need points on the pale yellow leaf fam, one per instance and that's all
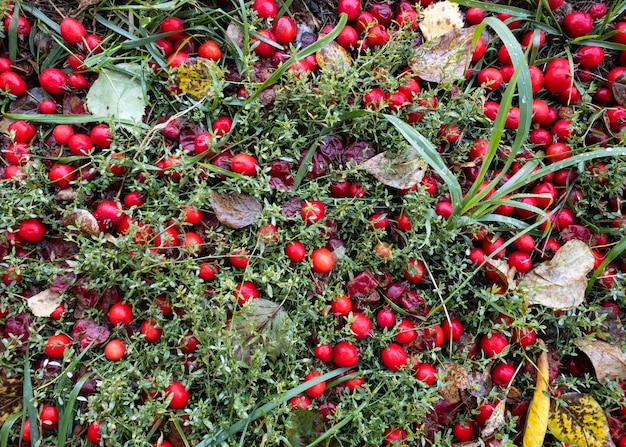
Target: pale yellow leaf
(199, 77)
(333, 55)
(439, 18)
(539, 410)
(608, 360)
(44, 303)
(560, 283)
(495, 421)
(445, 58)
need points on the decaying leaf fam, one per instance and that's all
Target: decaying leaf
(446, 58)
(65, 195)
(608, 360)
(458, 380)
(304, 427)
(400, 171)
(578, 419)
(539, 410)
(505, 272)
(235, 210)
(495, 421)
(333, 55)
(199, 77)
(611, 329)
(560, 283)
(619, 89)
(10, 395)
(118, 93)
(234, 32)
(44, 303)
(83, 220)
(260, 325)
(479, 381)
(439, 18)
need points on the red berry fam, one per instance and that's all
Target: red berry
(394, 356)
(493, 344)
(345, 354)
(72, 31)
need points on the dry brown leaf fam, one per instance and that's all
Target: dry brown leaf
(560, 283)
(505, 272)
(539, 410)
(611, 329)
(65, 195)
(619, 89)
(333, 55)
(439, 18)
(609, 361)
(83, 220)
(400, 171)
(234, 32)
(495, 421)
(235, 210)
(44, 303)
(458, 380)
(446, 58)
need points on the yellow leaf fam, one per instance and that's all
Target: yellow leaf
(539, 410)
(333, 55)
(199, 77)
(439, 18)
(578, 419)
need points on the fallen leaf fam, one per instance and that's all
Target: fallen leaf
(479, 381)
(619, 89)
(446, 58)
(560, 283)
(235, 210)
(495, 421)
(458, 380)
(505, 272)
(439, 18)
(234, 32)
(578, 419)
(333, 55)
(400, 171)
(118, 93)
(83, 220)
(611, 329)
(10, 395)
(260, 325)
(608, 360)
(28, 103)
(539, 410)
(199, 77)
(44, 303)
(65, 195)
(304, 427)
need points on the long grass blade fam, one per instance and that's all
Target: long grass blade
(67, 412)
(6, 428)
(616, 251)
(12, 35)
(429, 153)
(29, 402)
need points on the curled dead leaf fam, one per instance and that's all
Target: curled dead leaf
(495, 421)
(505, 272)
(457, 379)
(44, 303)
(619, 89)
(83, 220)
(235, 210)
(400, 171)
(560, 283)
(446, 58)
(608, 360)
(440, 17)
(65, 195)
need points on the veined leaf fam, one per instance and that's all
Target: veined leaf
(578, 419)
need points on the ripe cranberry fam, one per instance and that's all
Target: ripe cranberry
(377, 35)
(452, 329)
(382, 12)
(345, 354)
(502, 374)
(323, 352)
(284, 29)
(351, 8)
(47, 107)
(558, 152)
(262, 48)
(13, 83)
(72, 31)
(394, 437)
(479, 50)
(536, 78)
(394, 356)
(386, 318)
(426, 373)
(474, 16)
(463, 431)
(533, 39)
(53, 81)
(444, 209)
(348, 37)
(576, 24)
(100, 136)
(361, 325)
(265, 9)
(557, 80)
(21, 131)
(589, 56)
(493, 344)
(521, 260)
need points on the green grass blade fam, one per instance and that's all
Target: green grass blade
(492, 7)
(67, 412)
(520, 81)
(29, 402)
(220, 437)
(39, 15)
(6, 428)
(12, 35)
(429, 153)
(616, 251)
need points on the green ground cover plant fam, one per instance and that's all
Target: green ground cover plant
(236, 223)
